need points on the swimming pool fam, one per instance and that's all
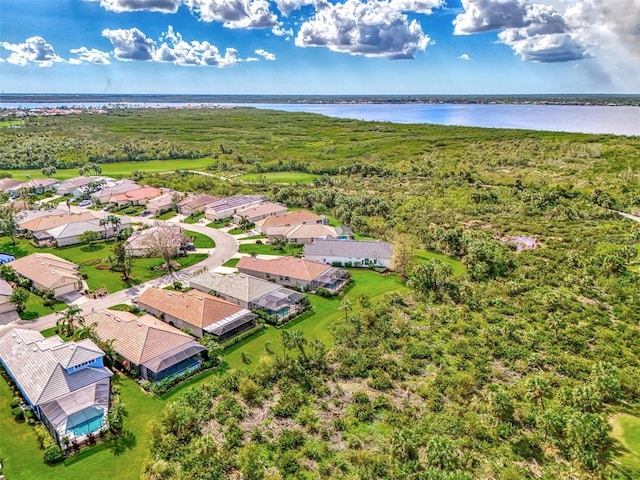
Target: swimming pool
(6, 258)
(87, 421)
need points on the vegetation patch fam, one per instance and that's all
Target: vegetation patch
(278, 177)
(200, 240)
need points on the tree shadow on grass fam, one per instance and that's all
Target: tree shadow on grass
(125, 441)
(92, 248)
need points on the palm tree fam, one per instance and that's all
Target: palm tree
(297, 340)
(115, 222)
(285, 340)
(68, 320)
(537, 389)
(244, 222)
(116, 415)
(103, 223)
(345, 306)
(213, 348)
(85, 331)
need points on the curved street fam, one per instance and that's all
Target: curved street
(226, 247)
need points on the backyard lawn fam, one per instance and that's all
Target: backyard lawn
(194, 218)
(123, 169)
(626, 429)
(35, 308)
(278, 177)
(265, 249)
(458, 268)
(90, 257)
(200, 240)
(220, 223)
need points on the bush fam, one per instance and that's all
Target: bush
(323, 292)
(18, 413)
(15, 402)
(53, 454)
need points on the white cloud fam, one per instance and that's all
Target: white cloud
(165, 6)
(130, 44)
(282, 32)
(486, 15)
(464, 56)
(89, 56)
(266, 55)
(288, 6)
(234, 13)
(251, 59)
(34, 50)
(417, 6)
(371, 28)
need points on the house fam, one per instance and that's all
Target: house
(350, 252)
(46, 222)
(151, 347)
(228, 207)
(295, 272)
(78, 185)
(303, 234)
(252, 293)
(139, 243)
(41, 185)
(276, 225)
(68, 234)
(194, 204)
(162, 203)
(139, 196)
(122, 186)
(65, 383)
(5, 297)
(10, 186)
(260, 212)
(199, 312)
(49, 272)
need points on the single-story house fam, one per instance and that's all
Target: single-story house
(49, 221)
(65, 383)
(49, 272)
(199, 312)
(303, 234)
(151, 347)
(11, 186)
(228, 207)
(162, 203)
(68, 234)
(295, 272)
(139, 243)
(260, 212)
(77, 185)
(121, 186)
(5, 296)
(139, 196)
(350, 252)
(195, 203)
(251, 292)
(297, 217)
(41, 185)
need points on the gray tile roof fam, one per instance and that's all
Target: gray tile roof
(349, 248)
(38, 364)
(243, 287)
(5, 288)
(235, 201)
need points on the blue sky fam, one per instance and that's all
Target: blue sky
(319, 46)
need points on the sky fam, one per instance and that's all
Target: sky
(349, 47)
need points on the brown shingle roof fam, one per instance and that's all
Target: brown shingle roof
(195, 308)
(46, 269)
(292, 218)
(138, 339)
(51, 221)
(292, 267)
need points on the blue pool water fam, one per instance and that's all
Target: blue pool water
(6, 258)
(85, 422)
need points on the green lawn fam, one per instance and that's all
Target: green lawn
(231, 262)
(123, 169)
(166, 215)
(89, 257)
(194, 218)
(11, 123)
(278, 177)
(626, 429)
(121, 459)
(240, 231)
(200, 240)
(220, 223)
(35, 308)
(458, 268)
(264, 249)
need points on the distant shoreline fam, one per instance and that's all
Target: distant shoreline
(533, 99)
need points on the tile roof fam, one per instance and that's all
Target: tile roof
(164, 200)
(235, 202)
(136, 195)
(195, 308)
(38, 364)
(120, 187)
(40, 182)
(331, 247)
(77, 228)
(314, 230)
(9, 183)
(138, 339)
(138, 240)
(46, 269)
(244, 287)
(292, 267)
(199, 200)
(73, 183)
(47, 222)
(292, 218)
(265, 208)
(5, 288)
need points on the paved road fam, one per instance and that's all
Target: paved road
(226, 248)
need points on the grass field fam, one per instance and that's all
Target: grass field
(92, 256)
(422, 256)
(626, 429)
(200, 240)
(35, 308)
(166, 215)
(277, 177)
(231, 262)
(123, 169)
(220, 223)
(265, 249)
(194, 218)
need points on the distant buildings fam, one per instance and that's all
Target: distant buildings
(228, 207)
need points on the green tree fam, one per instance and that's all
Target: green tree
(346, 306)
(431, 276)
(89, 237)
(121, 260)
(85, 330)
(49, 171)
(116, 414)
(537, 389)
(68, 319)
(8, 222)
(214, 349)
(19, 297)
(90, 168)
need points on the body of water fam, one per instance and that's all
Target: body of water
(617, 120)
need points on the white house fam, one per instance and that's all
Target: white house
(350, 252)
